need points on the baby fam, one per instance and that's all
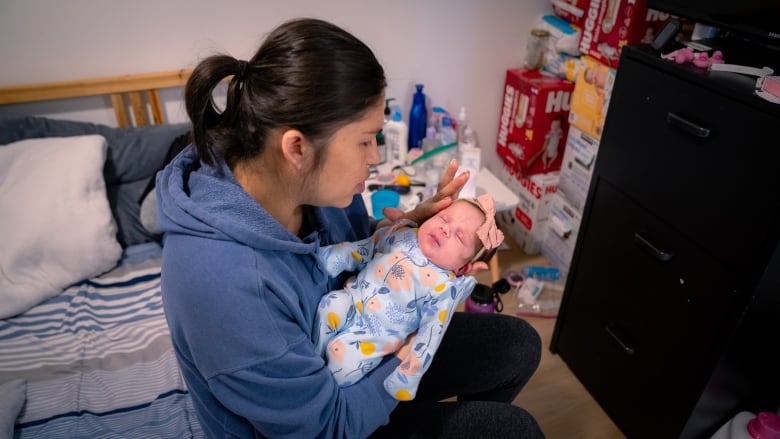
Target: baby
(410, 279)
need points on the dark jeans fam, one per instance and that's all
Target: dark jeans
(484, 360)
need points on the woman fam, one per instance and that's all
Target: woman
(244, 209)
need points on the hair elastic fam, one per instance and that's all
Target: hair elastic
(241, 70)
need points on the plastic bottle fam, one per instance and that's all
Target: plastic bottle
(437, 113)
(480, 303)
(487, 299)
(470, 160)
(396, 135)
(429, 169)
(418, 119)
(380, 137)
(765, 425)
(463, 122)
(448, 134)
(431, 140)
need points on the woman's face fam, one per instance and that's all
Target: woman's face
(345, 168)
(449, 238)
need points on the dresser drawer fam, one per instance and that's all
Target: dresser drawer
(646, 316)
(696, 159)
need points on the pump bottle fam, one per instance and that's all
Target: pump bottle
(396, 135)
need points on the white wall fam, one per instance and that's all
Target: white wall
(460, 49)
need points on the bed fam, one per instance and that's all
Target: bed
(84, 346)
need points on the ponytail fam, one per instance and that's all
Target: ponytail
(308, 74)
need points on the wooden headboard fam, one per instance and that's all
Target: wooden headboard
(140, 91)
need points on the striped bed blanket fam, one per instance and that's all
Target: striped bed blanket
(97, 360)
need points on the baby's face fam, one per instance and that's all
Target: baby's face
(449, 239)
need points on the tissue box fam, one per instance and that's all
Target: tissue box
(579, 159)
(534, 121)
(590, 98)
(561, 233)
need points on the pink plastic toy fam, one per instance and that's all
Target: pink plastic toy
(717, 57)
(699, 59)
(680, 56)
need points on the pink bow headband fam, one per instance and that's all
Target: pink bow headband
(489, 233)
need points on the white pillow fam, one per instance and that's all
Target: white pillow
(56, 226)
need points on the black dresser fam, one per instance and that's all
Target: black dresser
(671, 311)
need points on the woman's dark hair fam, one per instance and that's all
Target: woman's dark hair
(308, 74)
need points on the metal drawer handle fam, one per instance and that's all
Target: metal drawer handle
(624, 346)
(688, 126)
(652, 249)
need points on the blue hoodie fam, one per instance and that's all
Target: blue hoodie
(240, 294)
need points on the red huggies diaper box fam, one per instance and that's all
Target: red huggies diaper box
(611, 24)
(590, 98)
(533, 124)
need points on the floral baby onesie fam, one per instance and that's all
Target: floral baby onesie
(396, 292)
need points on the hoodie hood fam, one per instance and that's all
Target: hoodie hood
(199, 200)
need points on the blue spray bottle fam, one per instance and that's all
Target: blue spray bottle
(418, 119)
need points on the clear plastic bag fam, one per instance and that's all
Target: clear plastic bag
(538, 290)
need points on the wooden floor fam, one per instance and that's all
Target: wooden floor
(561, 405)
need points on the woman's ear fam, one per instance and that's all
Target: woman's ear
(294, 148)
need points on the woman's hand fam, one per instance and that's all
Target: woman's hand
(447, 191)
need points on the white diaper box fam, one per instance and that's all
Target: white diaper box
(533, 192)
(561, 233)
(527, 221)
(530, 240)
(579, 159)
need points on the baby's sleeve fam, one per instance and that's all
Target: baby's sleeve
(403, 382)
(353, 256)
(346, 256)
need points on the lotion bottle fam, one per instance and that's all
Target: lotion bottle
(396, 138)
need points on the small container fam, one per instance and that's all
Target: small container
(534, 49)
(480, 303)
(381, 199)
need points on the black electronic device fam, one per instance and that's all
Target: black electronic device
(667, 34)
(754, 20)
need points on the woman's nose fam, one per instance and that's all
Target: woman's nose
(372, 156)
